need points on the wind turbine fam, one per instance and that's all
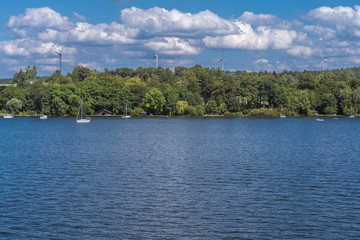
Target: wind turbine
(60, 55)
(222, 60)
(322, 63)
(156, 57)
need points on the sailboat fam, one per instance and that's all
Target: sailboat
(125, 113)
(42, 115)
(281, 115)
(8, 116)
(82, 119)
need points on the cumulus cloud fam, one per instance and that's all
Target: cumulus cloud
(174, 46)
(39, 18)
(175, 23)
(268, 20)
(248, 38)
(337, 15)
(323, 32)
(300, 51)
(85, 32)
(25, 47)
(262, 60)
(177, 35)
(345, 19)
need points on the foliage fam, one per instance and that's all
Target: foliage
(186, 91)
(263, 112)
(14, 105)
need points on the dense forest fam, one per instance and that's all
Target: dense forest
(194, 91)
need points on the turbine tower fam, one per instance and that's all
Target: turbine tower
(60, 55)
(322, 63)
(222, 60)
(156, 57)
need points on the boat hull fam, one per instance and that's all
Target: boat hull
(84, 120)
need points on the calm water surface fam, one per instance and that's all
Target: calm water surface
(179, 179)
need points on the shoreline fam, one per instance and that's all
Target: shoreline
(188, 116)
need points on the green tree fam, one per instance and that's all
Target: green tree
(171, 98)
(211, 107)
(59, 107)
(14, 105)
(21, 79)
(154, 101)
(222, 108)
(31, 72)
(180, 107)
(79, 73)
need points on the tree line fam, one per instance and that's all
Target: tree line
(194, 91)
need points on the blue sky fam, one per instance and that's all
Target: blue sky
(254, 35)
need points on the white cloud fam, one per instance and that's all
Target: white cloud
(29, 47)
(13, 48)
(248, 38)
(84, 32)
(174, 46)
(300, 51)
(262, 60)
(269, 20)
(345, 19)
(323, 32)
(157, 20)
(337, 15)
(176, 35)
(39, 18)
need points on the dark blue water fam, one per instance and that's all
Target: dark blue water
(179, 179)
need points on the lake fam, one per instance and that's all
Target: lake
(179, 178)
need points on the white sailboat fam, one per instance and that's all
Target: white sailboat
(42, 115)
(125, 113)
(8, 116)
(82, 119)
(281, 115)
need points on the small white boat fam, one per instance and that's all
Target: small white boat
(42, 115)
(82, 119)
(8, 116)
(282, 115)
(319, 119)
(125, 113)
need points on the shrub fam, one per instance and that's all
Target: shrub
(263, 112)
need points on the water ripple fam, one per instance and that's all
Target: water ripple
(179, 179)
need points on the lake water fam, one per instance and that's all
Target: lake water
(179, 179)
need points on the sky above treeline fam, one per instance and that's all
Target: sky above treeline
(254, 35)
